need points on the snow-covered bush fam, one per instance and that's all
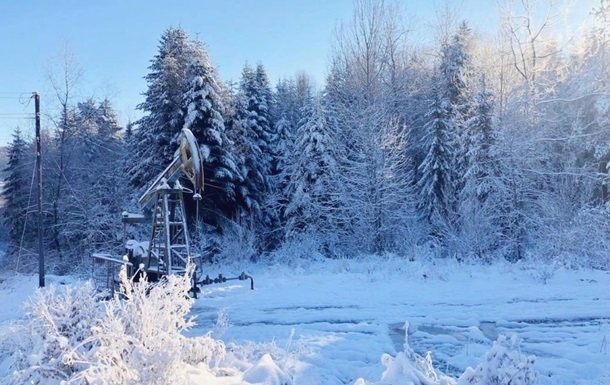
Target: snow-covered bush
(139, 340)
(409, 368)
(230, 242)
(266, 372)
(59, 326)
(267, 363)
(503, 365)
(297, 251)
(133, 338)
(581, 241)
(238, 243)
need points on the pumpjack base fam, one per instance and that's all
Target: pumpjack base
(106, 267)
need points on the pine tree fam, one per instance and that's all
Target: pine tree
(57, 165)
(129, 131)
(285, 119)
(311, 198)
(155, 140)
(291, 97)
(457, 71)
(264, 110)
(203, 113)
(481, 160)
(480, 211)
(435, 189)
(252, 133)
(279, 175)
(16, 194)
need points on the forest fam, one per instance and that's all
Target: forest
(469, 146)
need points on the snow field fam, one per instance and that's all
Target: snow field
(339, 317)
(334, 322)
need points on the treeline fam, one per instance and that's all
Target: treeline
(475, 148)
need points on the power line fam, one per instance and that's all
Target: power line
(15, 93)
(19, 97)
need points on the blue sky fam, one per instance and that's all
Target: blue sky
(115, 40)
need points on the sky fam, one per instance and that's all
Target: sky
(114, 41)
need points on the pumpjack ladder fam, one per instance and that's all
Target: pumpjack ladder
(168, 251)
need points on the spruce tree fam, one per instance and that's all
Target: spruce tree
(203, 111)
(253, 135)
(481, 209)
(457, 70)
(16, 194)
(312, 172)
(481, 159)
(291, 97)
(155, 138)
(456, 78)
(435, 189)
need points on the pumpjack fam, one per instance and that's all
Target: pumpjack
(168, 250)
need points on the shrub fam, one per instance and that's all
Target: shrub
(134, 337)
(59, 325)
(503, 365)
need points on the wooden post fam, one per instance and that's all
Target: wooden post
(39, 172)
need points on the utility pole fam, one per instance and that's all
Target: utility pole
(39, 172)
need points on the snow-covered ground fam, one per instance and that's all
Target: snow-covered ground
(330, 322)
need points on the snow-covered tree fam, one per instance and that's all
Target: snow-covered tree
(434, 183)
(184, 91)
(532, 51)
(291, 96)
(480, 158)
(96, 180)
(19, 204)
(253, 136)
(203, 113)
(155, 137)
(365, 99)
(478, 215)
(64, 76)
(456, 71)
(312, 205)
